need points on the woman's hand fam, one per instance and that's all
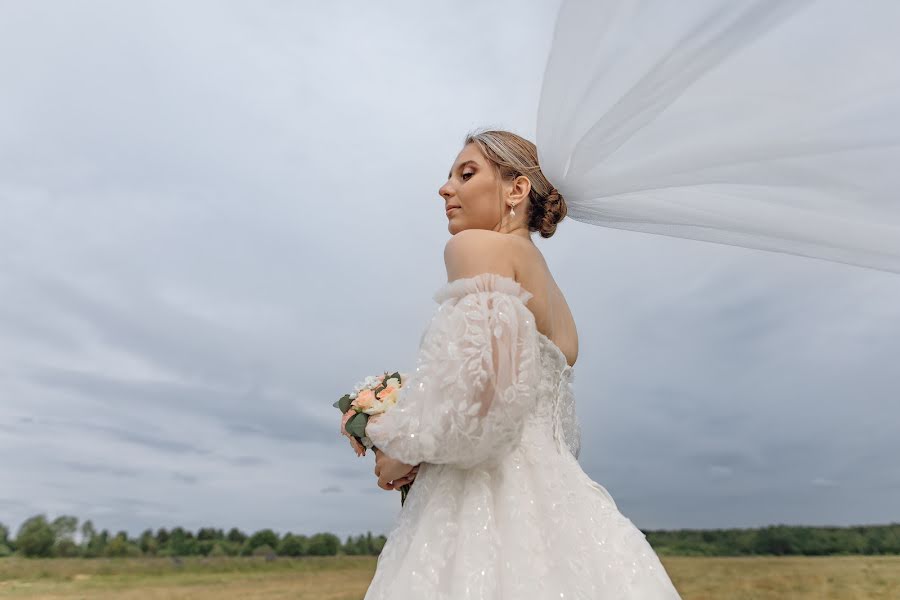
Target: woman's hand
(408, 478)
(393, 473)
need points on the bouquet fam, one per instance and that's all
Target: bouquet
(373, 396)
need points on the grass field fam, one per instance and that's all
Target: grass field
(346, 578)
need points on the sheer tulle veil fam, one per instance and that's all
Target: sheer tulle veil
(767, 124)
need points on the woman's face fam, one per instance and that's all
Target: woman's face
(472, 188)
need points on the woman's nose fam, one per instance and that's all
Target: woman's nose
(444, 191)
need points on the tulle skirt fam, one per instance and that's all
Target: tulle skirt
(535, 526)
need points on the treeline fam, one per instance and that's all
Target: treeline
(64, 538)
(778, 540)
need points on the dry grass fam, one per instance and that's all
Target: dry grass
(786, 578)
(326, 578)
(346, 578)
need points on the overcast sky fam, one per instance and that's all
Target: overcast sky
(216, 217)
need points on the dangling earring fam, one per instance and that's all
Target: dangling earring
(512, 210)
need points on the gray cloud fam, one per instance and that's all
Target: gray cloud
(181, 477)
(100, 468)
(197, 200)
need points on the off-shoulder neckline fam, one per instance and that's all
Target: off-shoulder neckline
(487, 281)
(482, 282)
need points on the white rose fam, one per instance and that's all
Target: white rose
(390, 399)
(376, 408)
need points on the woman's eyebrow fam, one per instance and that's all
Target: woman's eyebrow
(450, 174)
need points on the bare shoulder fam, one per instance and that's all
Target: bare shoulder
(474, 251)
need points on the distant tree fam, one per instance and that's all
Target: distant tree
(264, 550)
(778, 540)
(5, 549)
(263, 537)
(66, 548)
(324, 544)
(209, 533)
(291, 545)
(117, 547)
(97, 545)
(162, 538)
(147, 543)
(35, 537)
(64, 527)
(182, 543)
(236, 536)
(349, 546)
(204, 547)
(356, 546)
(36, 533)
(121, 546)
(891, 540)
(230, 548)
(87, 534)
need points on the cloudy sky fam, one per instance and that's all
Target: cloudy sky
(215, 217)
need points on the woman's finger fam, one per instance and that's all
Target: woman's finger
(385, 485)
(403, 480)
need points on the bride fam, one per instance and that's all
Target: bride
(763, 124)
(486, 428)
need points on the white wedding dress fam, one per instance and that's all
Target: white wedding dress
(500, 508)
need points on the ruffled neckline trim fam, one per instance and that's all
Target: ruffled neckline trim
(486, 282)
(483, 282)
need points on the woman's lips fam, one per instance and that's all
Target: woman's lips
(451, 209)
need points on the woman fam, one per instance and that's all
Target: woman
(486, 428)
(761, 124)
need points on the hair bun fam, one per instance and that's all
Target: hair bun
(554, 210)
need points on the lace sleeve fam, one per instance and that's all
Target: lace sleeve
(476, 378)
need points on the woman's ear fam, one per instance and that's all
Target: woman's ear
(521, 187)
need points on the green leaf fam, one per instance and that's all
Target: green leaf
(357, 424)
(344, 403)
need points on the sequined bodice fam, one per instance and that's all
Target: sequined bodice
(554, 416)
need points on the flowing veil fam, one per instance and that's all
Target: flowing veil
(767, 124)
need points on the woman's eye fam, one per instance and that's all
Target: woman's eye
(464, 175)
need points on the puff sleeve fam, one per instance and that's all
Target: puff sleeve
(476, 378)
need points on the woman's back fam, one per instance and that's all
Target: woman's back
(551, 311)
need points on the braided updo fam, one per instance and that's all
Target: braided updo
(513, 156)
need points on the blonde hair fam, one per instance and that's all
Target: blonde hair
(513, 155)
